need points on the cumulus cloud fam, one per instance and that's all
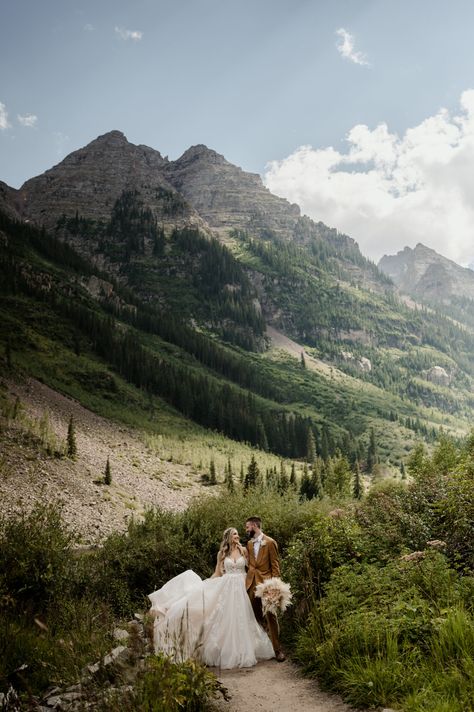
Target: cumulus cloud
(346, 47)
(4, 123)
(388, 191)
(28, 120)
(134, 35)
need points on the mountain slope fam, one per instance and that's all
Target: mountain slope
(186, 316)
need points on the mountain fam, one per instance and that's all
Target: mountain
(428, 276)
(189, 281)
(89, 181)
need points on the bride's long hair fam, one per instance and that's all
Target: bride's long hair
(226, 546)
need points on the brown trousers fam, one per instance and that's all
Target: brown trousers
(269, 622)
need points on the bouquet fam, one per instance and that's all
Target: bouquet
(275, 594)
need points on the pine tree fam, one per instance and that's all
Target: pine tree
(316, 482)
(342, 475)
(402, 470)
(283, 481)
(108, 473)
(310, 446)
(325, 444)
(252, 476)
(305, 485)
(357, 489)
(212, 473)
(71, 440)
(293, 476)
(261, 436)
(230, 482)
(303, 362)
(372, 457)
(242, 475)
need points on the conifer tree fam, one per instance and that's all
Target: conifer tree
(108, 473)
(303, 361)
(71, 439)
(293, 476)
(402, 470)
(212, 473)
(251, 478)
(305, 485)
(372, 457)
(310, 446)
(261, 436)
(242, 475)
(357, 490)
(230, 482)
(342, 475)
(325, 443)
(283, 481)
(316, 485)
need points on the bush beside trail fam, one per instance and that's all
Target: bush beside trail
(383, 589)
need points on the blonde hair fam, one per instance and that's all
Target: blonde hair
(226, 547)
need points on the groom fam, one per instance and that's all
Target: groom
(264, 563)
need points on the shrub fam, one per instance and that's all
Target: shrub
(131, 565)
(164, 686)
(382, 632)
(35, 559)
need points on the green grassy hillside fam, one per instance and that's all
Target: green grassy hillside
(84, 331)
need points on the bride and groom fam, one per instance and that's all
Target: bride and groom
(220, 620)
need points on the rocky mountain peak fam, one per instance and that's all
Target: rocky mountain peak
(424, 273)
(89, 181)
(200, 153)
(227, 196)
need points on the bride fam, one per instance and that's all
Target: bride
(213, 619)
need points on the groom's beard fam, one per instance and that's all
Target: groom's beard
(250, 535)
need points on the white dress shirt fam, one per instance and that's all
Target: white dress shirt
(256, 544)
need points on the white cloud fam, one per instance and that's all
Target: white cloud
(346, 48)
(388, 191)
(135, 35)
(89, 27)
(4, 123)
(28, 119)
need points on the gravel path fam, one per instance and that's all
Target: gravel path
(275, 687)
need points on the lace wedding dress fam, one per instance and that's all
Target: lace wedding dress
(212, 620)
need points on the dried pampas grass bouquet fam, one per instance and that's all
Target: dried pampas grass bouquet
(275, 594)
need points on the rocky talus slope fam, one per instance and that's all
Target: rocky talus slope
(140, 479)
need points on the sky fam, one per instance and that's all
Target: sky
(361, 111)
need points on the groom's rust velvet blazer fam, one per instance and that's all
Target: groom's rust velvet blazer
(266, 565)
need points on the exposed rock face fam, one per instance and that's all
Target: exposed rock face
(424, 273)
(8, 201)
(438, 375)
(90, 180)
(228, 197)
(363, 363)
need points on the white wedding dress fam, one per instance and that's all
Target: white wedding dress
(211, 620)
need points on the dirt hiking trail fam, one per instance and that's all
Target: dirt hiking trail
(275, 687)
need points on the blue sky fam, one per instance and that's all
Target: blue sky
(255, 80)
